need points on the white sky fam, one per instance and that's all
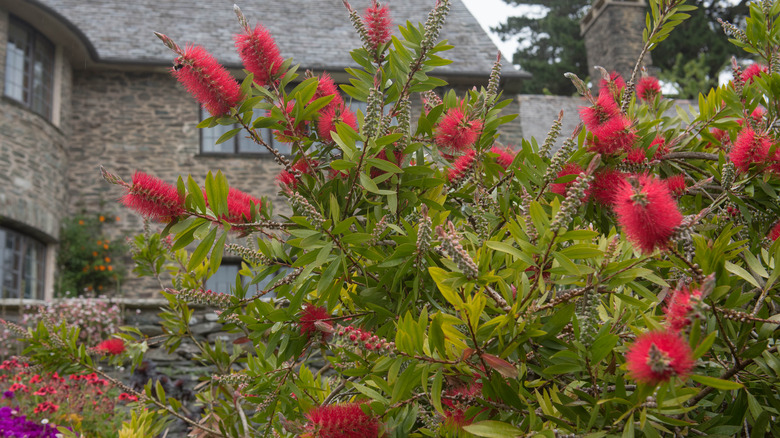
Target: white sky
(491, 13)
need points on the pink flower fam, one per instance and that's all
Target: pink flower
(636, 156)
(377, 22)
(326, 87)
(461, 166)
(676, 184)
(613, 137)
(646, 211)
(45, 407)
(568, 169)
(657, 356)
(774, 233)
(750, 148)
(239, 206)
(311, 320)
(505, 156)
(207, 80)
(128, 397)
(754, 70)
(604, 186)
(154, 198)
(597, 116)
(330, 116)
(259, 53)
(456, 131)
(648, 88)
(681, 307)
(341, 421)
(113, 346)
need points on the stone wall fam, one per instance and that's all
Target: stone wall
(33, 159)
(538, 112)
(613, 35)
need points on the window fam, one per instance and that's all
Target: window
(29, 67)
(224, 280)
(22, 265)
(240, 143)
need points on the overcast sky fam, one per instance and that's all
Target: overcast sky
(491, 13)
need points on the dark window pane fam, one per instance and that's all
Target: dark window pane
(15, 61)
(209, 140)
(22, 266)
(29, 75)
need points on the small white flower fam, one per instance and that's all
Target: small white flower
(45, 421)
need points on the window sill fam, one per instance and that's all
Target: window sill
(262, 156)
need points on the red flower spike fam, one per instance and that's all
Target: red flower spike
(657, 356)
(461, 165)
(310, 316)
(259, 54)
(636, 156)
(378, 23)
(676, 184)
(505, 156)
(153, 198)
(750, 148)
(568, 169)
(596, 116)
(326, 87)
(614, 86)
(754, 70)
(774, 233)
(113, 346)
(648, 88)
(455, 414)
(661, 149)
(604, 186)
(646, 211)
(456, 132)
(207, 80)
(330, 116)
(681, 308)
(238, 204)
(341, 421)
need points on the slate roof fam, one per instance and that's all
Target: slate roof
(316, 33)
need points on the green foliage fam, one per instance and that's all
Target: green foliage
(87, 261)
(485, 304)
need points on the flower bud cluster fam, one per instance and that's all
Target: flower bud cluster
(450, 244)
(574, 197)
(430, 100)
(558, 160)
(733, 31)
(357, 23)
(364, 340)
(404, 117)
(15, 329)
(200, 296)
(252, 256)
(533, 235)
(495, 77)
(729, 175)
(434, 23)
(373, 121)
(610, 251)
(587, 315)
(552, 136)
(379, 229)
(303, 205)
(231, 379)
(423, 235)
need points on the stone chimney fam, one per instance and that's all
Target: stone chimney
(613, 36)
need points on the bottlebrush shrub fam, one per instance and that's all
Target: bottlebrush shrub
(409, 303)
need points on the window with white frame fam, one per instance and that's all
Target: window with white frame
(29, 67)
(22, 265)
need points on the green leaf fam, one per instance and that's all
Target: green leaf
(716, 383)
(742, 273)
(493, 429)
(216, 253)
(202, 250)
(436, 392)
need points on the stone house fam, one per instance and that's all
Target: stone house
(86, 83)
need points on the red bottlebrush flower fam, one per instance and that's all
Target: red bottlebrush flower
(614, 86)
(568, 169)
(207, 80)
(750, 73)
(774, 233)
(330, 116)
(456, 402)
(154, 198)
(604, 186)
(722, 137)
(646, 211)
(676, 184)
(113, 346)
(597, 116)
(310, 317)
(377, 22)
(636, 156)
(288, 179)
(456, 132)
(657, 356)
(291, 131)
(613, 137)
(239, 206)
(259, 54)
(660, 146)
(341, 421)
(681, 308)
(326, 87)
(505, 156)
(750, 148)
(461, 166)
(398, 157)
(648, 88)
